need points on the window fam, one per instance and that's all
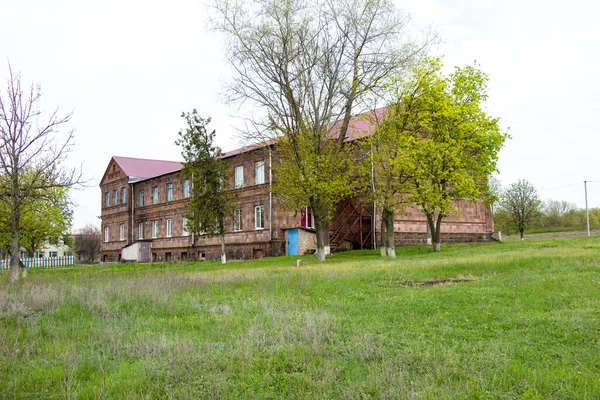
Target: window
(237, 219)
(40, 254)
(53, 254)
(259, 172)
(169, 191)
(122, 232)
(106, 234)
(123, 195)
(239, 176)
(154, 229)
(142, 198)
(106, 199)
(186, 188)
(115, 197)
(155, 195)
(141, 230)
(169, 227)
(185, 228)
(259, 217)
(308, 220)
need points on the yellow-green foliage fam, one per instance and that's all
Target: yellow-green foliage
(313, 169)
(436, 143)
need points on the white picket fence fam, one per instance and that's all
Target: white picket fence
(46, 262)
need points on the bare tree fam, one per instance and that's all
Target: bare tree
(307, 64)
(521, 204)
(87, 242)
(31, 157)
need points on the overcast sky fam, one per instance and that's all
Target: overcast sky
(129, 68)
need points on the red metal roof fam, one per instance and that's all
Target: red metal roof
(248, 148)
(142, 168)
(360, 126)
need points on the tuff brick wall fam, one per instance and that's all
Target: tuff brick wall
(474, 221)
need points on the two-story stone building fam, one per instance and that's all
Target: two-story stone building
(144, 208)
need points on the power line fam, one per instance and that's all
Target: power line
(564, 186)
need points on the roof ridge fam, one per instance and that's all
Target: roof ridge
(146, 159)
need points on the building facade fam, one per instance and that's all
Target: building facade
(144, 207)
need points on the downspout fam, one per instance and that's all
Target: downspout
(132, 214)
(374, 219)
(190, 200)
(270, 196)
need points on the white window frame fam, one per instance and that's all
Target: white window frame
(106, 234)
(115, 197)
(184, 230)
(237, 220)
(259, 172)
(154, 194)
(186, 188)
(154, 229)
(53, 254)
(239, 176)
(122, 232)
(169, 227)
(140, 231)
(170, 191)
(107, 199)
(141, 197)
(123, 195)
(259, 217)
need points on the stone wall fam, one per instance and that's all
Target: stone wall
(413, 238)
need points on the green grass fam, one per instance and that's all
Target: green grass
(525, 326)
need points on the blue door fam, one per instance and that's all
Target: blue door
(293, 242)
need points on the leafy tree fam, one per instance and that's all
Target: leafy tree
(451, 142)
(307, 64)
(211, 200)
(559, 213)
(87, 242)
(31, 160)
(521, 204)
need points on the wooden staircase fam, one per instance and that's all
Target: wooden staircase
(352, 222)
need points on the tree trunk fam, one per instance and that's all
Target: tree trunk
(320, 213)
(522, 232)
(223, 256)
(14, 245)
(322, 228)
(388, 217)
(428, 234)
(434, 226)
(383, 239)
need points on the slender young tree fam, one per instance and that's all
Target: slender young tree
(212, 201)
(391, 166)
(32, 157)
(521, 204)
(307, 64)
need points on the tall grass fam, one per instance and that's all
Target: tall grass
(522, 323)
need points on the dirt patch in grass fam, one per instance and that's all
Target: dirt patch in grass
(434, 282)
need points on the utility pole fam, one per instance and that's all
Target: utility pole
(587, 213)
